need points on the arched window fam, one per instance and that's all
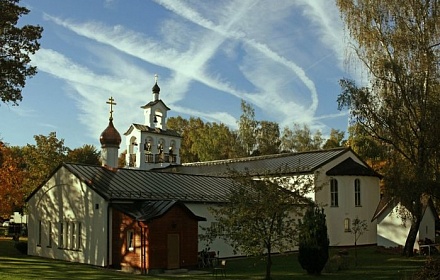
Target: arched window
(334, 193)
(357, 193)
(347, 225)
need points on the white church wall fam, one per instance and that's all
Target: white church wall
(346, 211)
(392, 231)
(68, 221)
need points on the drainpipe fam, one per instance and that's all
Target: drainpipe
(108, 234)
(143, 253)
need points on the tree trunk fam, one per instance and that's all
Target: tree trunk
(268, 263)
(412, 234)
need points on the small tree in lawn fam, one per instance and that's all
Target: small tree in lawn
(260, 215)
(358, 227)
(313, 241)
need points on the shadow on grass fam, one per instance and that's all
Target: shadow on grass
(372, 264)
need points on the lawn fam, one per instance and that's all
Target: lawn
(371, 265)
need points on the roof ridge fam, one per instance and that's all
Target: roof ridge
(255, 158)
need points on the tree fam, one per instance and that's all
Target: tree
(87, 154)
(335, 140)
(247, 128)
(189, 132)
(313, 241)
(300, 139)
(16, 44)
(268, 138)
(41, 159)
(358, 227)
(259, 217)
(398, 43)
(12, 175)
(203, 141)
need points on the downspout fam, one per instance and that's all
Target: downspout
(108, 234)
(143, 244)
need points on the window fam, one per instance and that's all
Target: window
(49, 234)
(61, 235)
(130, 240)
(78, 244)
(39, 233)
(73, 236)
(357, 193)
(66, 235)
(347, 225)
(334, 193)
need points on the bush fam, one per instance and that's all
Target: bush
(313, 241)
(337, 263)
(430, 271)
(22, 247)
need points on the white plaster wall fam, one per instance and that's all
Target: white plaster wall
(202, 210)
(141, 138)
(370, 195)
(65, 199)
(392, 231)
(427, 226)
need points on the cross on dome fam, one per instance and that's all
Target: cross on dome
(111, 103)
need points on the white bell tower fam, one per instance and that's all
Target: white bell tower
(152, 145)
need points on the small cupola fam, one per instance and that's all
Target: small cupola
(110, 140)
(110, 137)
(156, 89)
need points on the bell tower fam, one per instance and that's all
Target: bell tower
(151, 144)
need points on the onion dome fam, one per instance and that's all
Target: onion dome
(156, 88)
(110, 137)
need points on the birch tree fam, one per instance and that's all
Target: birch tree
(398, 43)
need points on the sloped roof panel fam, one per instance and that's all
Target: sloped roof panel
(145, 211)
(146, 185)
(287, 163)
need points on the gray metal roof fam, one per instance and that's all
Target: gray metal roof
(286, 163)
(145, 211)
(157, 130)
(146, 185)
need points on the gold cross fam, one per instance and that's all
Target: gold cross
(111, 106)
(155, 78)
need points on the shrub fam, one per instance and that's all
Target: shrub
(430, 271)
(313, 241)
(337, 263)
(22, 247)
(333, 264)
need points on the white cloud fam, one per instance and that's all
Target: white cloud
(192, 39)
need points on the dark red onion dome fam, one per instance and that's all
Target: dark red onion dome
(110, 136)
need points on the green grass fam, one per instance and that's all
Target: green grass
(371, 265)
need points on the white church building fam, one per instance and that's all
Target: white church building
(148, 215)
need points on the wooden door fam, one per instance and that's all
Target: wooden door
(173, 251)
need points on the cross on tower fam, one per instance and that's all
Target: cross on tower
(111, 106)
(155, 78)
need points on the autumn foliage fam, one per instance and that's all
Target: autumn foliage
(11, 178)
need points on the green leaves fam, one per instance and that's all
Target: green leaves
(16, 46)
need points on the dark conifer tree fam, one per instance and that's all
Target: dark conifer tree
(313, 241)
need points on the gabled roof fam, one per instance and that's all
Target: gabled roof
(152, 103)
(286, 163)
(145, 211)
(145, 128)
(134, 184)
(349, 167)
(389, 203)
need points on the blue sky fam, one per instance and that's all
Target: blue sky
(285, 58)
